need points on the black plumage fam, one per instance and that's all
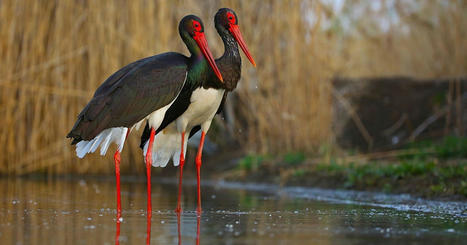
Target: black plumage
(131, 94)
(230, 66)
(144, 86)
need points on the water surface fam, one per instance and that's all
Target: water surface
(82, 211)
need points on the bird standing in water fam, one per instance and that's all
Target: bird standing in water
(196, 106)
(142, 90)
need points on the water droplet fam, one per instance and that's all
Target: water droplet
(82, 183)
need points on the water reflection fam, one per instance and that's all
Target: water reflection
(179, 229)
(117, 231)
(198, 224)
(83, 212)
(148, 226)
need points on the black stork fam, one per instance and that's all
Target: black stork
(142, 90)
(196, 106)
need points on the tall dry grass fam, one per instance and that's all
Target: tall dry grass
(56, 53)
(428, 39)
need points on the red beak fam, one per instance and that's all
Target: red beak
(203, 45)
(238, 36)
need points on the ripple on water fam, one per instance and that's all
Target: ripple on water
(233, 213)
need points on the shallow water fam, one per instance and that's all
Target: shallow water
(82, 211)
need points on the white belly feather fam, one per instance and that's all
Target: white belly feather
(203, 107)
(201, 111)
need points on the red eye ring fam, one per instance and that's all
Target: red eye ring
(196, 25)
(231, 18)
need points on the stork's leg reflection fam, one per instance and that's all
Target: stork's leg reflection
(198, 227)
(179, 229)
(117, 231)
(148, 229)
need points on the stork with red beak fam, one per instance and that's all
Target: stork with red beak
(196, 106)
(142, 90)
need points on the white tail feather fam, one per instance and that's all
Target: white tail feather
(106, 143)
(117, 135)
(82, 148)
(97, 142)
(122, 139)
(166, 145)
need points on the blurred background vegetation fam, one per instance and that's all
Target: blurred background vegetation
(56, 53)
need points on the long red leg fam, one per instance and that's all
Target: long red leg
(117, 176)
(198, 169)
(182, 162)
(148, 170)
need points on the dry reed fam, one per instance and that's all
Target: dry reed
(56, 53)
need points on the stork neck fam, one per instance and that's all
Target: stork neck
(199, 68)
(230, 48)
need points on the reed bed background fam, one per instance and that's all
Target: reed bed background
(56, 53)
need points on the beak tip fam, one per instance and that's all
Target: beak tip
(253, 62)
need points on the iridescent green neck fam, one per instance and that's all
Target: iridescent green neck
(198, 70)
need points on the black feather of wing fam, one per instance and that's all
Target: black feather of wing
(131, 94)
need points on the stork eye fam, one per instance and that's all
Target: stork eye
(196, 26)
(231, 18)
